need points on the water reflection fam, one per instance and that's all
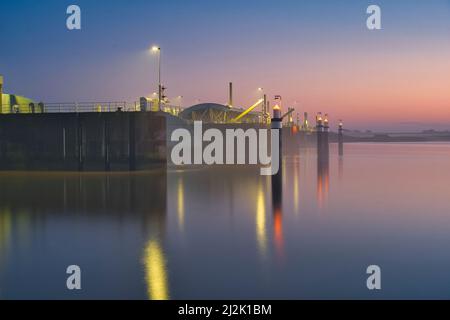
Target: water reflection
(340, 151)
(261, 228)
(89, 219)
(295, 189)
(230, 233)
(340, 167)
(323, 175)
(277, 198)
(340, 146)
(156, 271)
(180, 202)
(5, 232)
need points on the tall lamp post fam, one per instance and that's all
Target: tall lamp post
(264, 105)
(157, 50)
(261, 91)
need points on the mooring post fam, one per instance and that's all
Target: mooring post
(276, 124)
(326, 131)
(319, 130)
(277, 179)
(341, 138)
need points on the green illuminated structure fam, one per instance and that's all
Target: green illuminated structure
(11, 103)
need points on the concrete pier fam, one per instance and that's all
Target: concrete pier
(116, 141)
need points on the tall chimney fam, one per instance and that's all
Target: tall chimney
(230, 97)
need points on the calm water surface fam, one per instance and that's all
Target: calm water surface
(227, 233)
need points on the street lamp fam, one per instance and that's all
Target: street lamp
(157, 50)
(264, 105)
(178, 100)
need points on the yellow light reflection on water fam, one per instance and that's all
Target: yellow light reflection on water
(5, 228)
(180, 208)
(156, 272)
(261, 232)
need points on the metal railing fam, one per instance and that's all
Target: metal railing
(85, 107)
(82, 107)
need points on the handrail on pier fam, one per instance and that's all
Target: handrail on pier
(78, 107)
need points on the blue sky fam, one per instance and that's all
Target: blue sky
(303, 50)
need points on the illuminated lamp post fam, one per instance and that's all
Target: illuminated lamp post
(157, 50)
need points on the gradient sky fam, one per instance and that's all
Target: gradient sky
(318, 55)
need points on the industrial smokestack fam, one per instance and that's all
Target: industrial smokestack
(230, 97)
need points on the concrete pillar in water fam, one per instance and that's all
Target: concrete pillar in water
(326, 130)
(341, 138)
(322, 128)
(326, 126)
(276, 124)
(319, 130)
(277, 186)
(319, 122)
(341, 149)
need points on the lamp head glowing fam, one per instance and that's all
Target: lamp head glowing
(319, 116)
(276, 107)
(260, 89)
(156, 49)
